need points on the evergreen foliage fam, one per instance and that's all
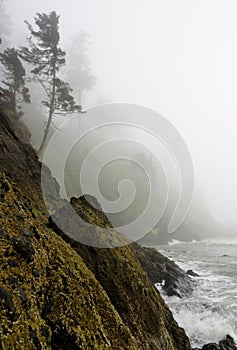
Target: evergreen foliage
(47, 58)
(13, 90)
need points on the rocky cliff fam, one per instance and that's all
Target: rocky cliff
(58, 294)
(164, 271)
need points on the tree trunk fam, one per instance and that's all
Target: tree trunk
(51, 110)
(13, 103)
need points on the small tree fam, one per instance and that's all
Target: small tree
(46, 57)
(14, 90)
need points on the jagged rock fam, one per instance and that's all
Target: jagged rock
(7, 296)
(65, 300)
(9, 303)
(34, 338)
(23, 296)
(35, 273)
(84, 298)
(24, 247)
(126, 284)
(225, 344)
(192, 273)
(2, 234)
(162, 270)
(13, 281)
(13, 263)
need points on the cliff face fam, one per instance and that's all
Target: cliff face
(48, 297)
(137, 301)
(159, 268)
(58, 294)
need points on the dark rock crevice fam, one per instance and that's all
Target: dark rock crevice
(159, 269)
(225, 344)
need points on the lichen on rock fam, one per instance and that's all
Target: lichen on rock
(58, 294)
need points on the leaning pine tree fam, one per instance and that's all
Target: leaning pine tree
(46, 57)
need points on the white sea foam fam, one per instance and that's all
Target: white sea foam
(203, 326)
(175, 241)
(226, 241)
(210, 312)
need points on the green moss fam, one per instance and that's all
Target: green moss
(35, 212)
(65, 299)
(62, 295)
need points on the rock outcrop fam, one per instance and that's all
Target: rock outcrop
(58, 294)
(135, 298)
(162, 270)
(49, 299)
(225, 344)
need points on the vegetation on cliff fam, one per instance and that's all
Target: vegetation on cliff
(60, 296)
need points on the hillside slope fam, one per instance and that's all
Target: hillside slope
(58, 294)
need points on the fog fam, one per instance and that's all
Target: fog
(178, 58)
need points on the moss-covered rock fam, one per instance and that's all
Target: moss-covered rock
(58, 294)
(49, 299)
(119, 272)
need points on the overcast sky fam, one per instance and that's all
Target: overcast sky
(176, 57)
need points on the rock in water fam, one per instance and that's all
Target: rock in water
(192, 273)
(160, 269)
(225, 344)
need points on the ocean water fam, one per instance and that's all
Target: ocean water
(210, 312)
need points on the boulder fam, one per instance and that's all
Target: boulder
(192, 273)
(225, 344)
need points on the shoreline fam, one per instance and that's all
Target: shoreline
(184, 309)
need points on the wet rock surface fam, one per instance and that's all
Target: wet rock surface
(192, 273)
(225, 344)
(162, 270)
